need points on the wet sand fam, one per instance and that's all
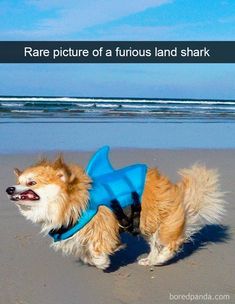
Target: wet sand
(32, 273)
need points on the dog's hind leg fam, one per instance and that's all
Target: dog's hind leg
(169, 251)
(155, 248)
(165, 255)
(163, 245)
(159, 254)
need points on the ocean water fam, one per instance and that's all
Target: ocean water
(40, 124)
(110, 109)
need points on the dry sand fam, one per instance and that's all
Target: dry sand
(32, 273)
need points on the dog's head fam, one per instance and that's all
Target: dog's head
(51, 193)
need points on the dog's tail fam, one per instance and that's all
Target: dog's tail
(203, 200)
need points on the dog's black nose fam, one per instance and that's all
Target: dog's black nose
(10, 190)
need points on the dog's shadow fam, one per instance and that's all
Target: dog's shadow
(135, 246)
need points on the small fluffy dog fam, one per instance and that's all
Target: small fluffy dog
(56, 194)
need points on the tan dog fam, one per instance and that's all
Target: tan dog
(55, 194)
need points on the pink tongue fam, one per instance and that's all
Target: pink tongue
(28, 195)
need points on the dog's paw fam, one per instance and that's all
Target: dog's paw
(164, 257)
(144, 262)
(159, 262)
(103, 266)
(102, 261)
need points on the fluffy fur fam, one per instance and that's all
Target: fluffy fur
(170, 215)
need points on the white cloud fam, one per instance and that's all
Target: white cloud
(75, 16)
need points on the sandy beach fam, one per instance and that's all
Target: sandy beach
(32, 273)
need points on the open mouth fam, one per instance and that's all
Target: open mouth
(28, 195)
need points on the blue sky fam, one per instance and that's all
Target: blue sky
(118, 20)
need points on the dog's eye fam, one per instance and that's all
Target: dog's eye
(31, 183)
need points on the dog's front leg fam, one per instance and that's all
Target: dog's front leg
(101, 261)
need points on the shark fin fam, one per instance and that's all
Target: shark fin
(99, 164)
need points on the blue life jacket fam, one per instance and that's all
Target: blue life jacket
(107, 185)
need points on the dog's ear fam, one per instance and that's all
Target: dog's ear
(62, 170)
(72, 178)
(59, 162)
(62, 174)
(17, 172)
(65, 175)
